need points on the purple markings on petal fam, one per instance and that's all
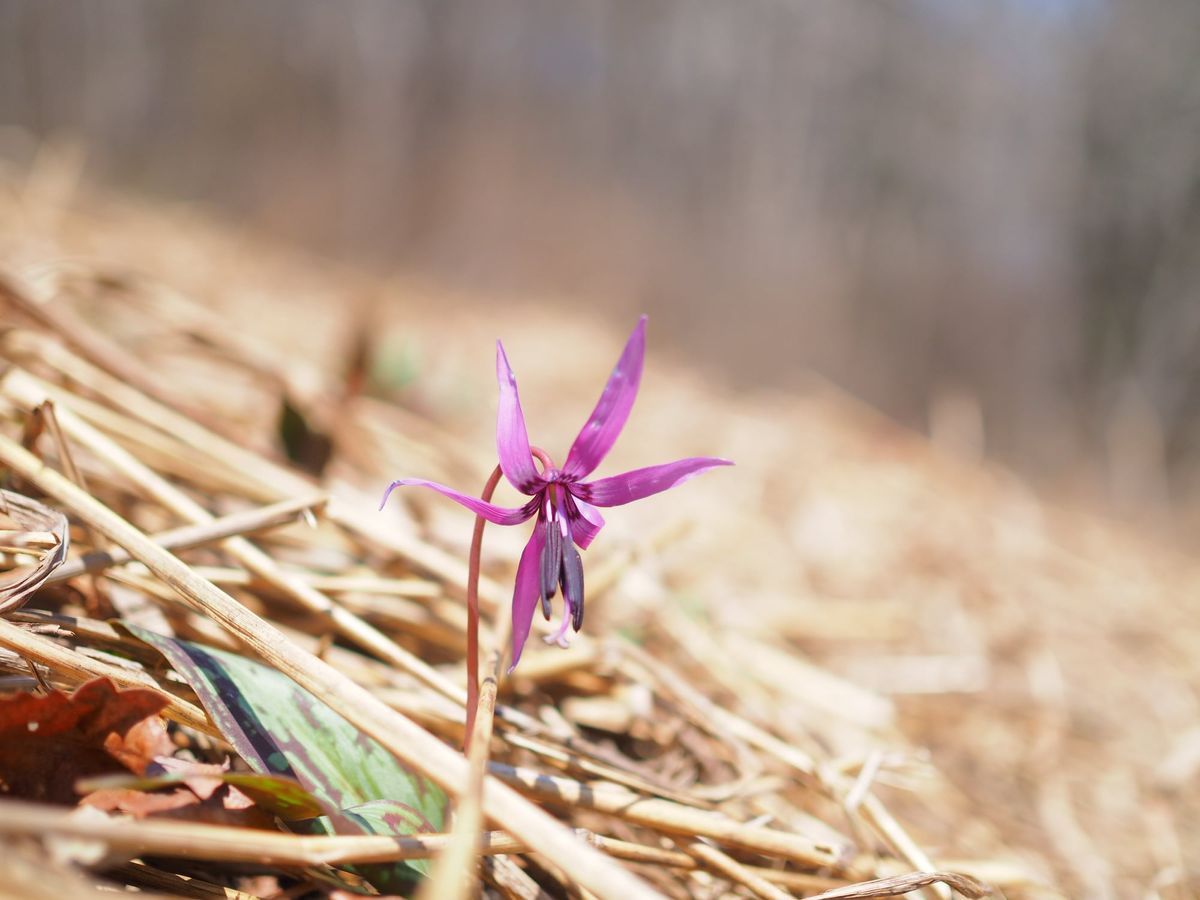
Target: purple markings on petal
(512, 439)
(496, 514)
(526, 593)
(612, 409)
(640, 483)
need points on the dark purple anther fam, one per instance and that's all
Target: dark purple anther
(572, 582)
(552, 554)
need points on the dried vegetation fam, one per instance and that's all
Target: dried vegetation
(852, 668)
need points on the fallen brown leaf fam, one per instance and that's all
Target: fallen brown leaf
(49, 741)
(198, 792)
(203, 778)
(142, 746)
(225, 805)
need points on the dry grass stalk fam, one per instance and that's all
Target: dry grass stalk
(510, 880)
(905, 884)
(140, 875)
(677, 859)
(219, 842)
(671, 818)
(187, 537)
(723, 864)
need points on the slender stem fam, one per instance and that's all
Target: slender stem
(473, 610)
(473, 594)
(454, 873)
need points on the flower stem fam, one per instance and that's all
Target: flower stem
(473, 610)
(473, 596)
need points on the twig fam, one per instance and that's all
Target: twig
(677, 859)
(143, 876)
(724, 864)
(248, 521)
(904, 884)
(386, 589)
(233, 844)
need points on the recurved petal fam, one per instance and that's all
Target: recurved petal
(512, 439)
(612, 409)
(498, 515)
(585, 520)
(527, 591)
(629, 486)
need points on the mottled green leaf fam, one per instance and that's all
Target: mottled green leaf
(382, 817)
(279, 728)
(388, 817)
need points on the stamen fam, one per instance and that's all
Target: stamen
(572, 582)
(551, 564)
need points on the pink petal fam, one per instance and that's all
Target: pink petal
(621, 489)
(585, 520)
(612, 409)
(527, 590)
(496, 514)
(512, 439)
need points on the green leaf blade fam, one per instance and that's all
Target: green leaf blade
(281, 729)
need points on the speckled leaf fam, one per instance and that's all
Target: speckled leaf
(383, 817)
(279, 728)
(389, 817)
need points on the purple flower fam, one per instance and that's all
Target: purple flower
(565, 505)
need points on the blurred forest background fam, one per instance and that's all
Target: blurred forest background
(982, 218)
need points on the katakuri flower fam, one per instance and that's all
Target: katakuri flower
(565, 505)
